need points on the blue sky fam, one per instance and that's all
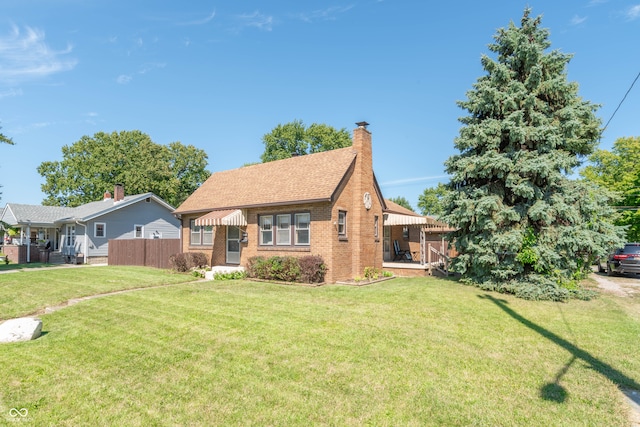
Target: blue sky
(219, 75)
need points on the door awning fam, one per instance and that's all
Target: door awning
(234, 217)
(425, 221)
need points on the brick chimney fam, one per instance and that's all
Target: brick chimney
(367, 252)
(107, 195)
(118, 192)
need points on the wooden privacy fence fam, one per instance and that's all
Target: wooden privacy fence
(145, 252)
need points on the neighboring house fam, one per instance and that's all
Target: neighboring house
(85, 230)
(326, 204)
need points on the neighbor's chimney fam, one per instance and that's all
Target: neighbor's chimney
(118, 193)
(107, 195)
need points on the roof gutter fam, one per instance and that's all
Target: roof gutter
(256, 205)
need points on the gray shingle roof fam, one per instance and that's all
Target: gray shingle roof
(15, 214)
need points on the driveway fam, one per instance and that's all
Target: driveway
(624, 286)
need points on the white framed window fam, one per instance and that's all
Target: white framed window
(405, 232)
(283, 230)
(99, 229)
(200, 235)
(342, 223)
(266, 230)
(138, 231)
(207, 235)
(195, 233)
(302, 228)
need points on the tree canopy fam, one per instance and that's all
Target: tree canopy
(95, 164)
(618, 170)
(6, 140)
(295, 138)
(522, 226)
(430, 202)
(402, 201)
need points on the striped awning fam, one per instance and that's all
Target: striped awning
(399, 219)
(234, 217)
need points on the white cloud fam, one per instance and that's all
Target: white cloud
(256, 20)
(577, 20)
(633, 12)
(25, 56)
(412, 180)
(202, 21)
(328, 14)
(123, 79)
(10, 92)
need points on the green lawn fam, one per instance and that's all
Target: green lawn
(399, 353)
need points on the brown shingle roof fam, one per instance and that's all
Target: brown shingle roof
(308, 178)
(393, 207)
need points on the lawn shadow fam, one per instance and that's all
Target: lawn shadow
(553, 391)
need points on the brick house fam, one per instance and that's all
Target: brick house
(326, 204)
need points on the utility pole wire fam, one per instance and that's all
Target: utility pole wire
(623, 98)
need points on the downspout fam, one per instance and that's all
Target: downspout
(86, 242)
(28, 242)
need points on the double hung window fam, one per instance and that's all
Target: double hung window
(201, 235)
(289, 229)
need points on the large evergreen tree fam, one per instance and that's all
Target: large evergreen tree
(522, 226)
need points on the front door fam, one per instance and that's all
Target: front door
(70, 239)
(233, 245)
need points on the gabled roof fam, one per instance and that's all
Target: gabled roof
(93, 210)
(36, 215)
(302, 179)
(395, 214)
(15, 213)
(393, 207)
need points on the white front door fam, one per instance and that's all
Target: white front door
(233, 245)
(70, 239)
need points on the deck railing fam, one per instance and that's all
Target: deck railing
(437, 260)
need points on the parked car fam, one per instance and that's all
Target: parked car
(623, 261)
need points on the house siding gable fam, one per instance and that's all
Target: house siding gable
(120, 225)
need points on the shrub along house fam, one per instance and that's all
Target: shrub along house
(82, 234)
(326, 204)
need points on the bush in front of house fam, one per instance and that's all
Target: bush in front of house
(178, 262)
(183, 262)
(307, 269)
(313, 269)
(230, 275)
(196, 260)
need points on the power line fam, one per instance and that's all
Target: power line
(620, 104)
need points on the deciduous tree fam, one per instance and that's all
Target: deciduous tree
(431, 200)
(295, 138)
(522, 226)
(402, 201)
(94, 164)
(6, 140)
(619, 170)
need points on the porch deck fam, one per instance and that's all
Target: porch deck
(408, 269)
